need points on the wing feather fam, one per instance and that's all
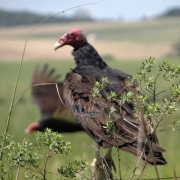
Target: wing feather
(46, 96)
(92, 113)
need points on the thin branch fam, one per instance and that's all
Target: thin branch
(45, 166)
(59, 95)
(17, 174)
(162, 117)
(159, 178)
(36, 171)
(175, 176)
(137, 164)
(155, 88)
(160, 83)
(160, 92)
(32, 173)
(42, 84)
(150, 91)
(108, 164)
(46, 171)
(87, 177)
(142, 170)
(141, 116)
(119, 161)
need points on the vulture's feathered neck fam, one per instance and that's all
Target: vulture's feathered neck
(87, 55)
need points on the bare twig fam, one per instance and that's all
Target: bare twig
(142, 170)
(141, 117)
(137, 164)
(175, 176)
(160, 178)
(108, 164)
(45, 167)
(119, 161)
(59, 95)
(17, 173)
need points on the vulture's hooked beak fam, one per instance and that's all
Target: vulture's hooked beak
(61, 42)
(57, 46)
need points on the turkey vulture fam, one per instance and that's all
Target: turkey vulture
(91, 113)
(54, 114)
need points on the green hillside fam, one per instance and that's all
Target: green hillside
(156, 30)
(173, 12)
(19, 18)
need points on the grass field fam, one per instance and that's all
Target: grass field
(120, 40)
(129, 42)
(156, 30)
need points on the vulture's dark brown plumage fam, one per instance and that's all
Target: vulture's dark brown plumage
(54, 114)
(91, 113)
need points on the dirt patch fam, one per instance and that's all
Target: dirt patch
(41, 49)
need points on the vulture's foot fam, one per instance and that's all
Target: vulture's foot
(101, 167)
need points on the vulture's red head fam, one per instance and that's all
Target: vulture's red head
(74, 38)
(32, 127)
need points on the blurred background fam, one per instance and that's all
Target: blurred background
(124, 34)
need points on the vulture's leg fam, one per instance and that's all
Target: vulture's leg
(101, 167)
(108, 161)
(96, 162)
